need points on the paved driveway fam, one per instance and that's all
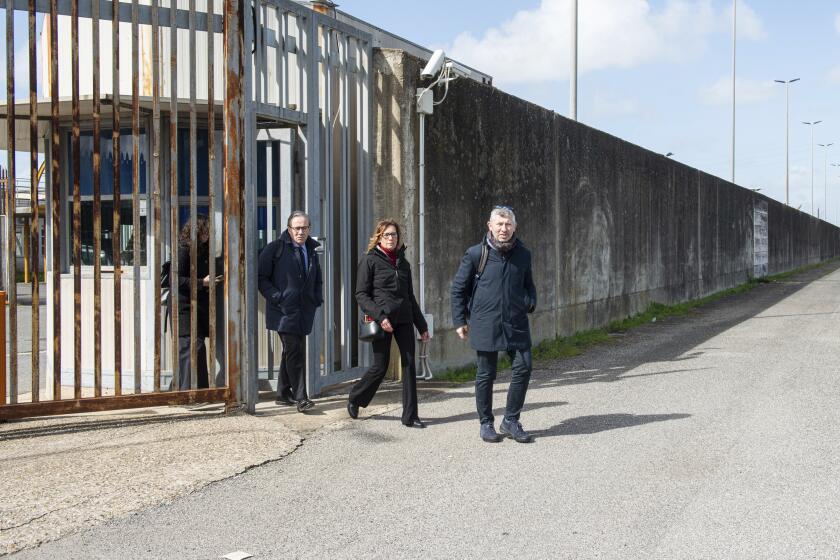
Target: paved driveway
(711, 436)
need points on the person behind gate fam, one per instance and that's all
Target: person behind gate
(492, 294)
(384, 292)
(290, 280)
(185, 367)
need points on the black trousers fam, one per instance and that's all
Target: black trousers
(185, 371)
(292, 378)
(365, 388)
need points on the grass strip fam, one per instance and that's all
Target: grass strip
(574, 345)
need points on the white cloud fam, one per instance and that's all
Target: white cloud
(837, 23)
(607, 105)
(533, 46)
(746, 91)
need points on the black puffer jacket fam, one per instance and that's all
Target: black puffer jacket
(202, 296)
(385, 291)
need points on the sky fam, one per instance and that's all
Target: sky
(658, 73)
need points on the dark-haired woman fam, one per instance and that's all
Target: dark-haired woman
(202, 271)
(384, 292)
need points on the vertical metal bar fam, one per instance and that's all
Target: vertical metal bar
(269, 234)
(2, 348)
(137, 231)
(193, 220)
(156, 201)
(259, 55)
(313, 176)
(327, 227)
(211, 186)
(55, 176)
(97, 213)
(115, 235)
(346, 226)
(248, 230)
(77, 211)
(173, 187)
(11, 199)
(34, 221)
(234, 17)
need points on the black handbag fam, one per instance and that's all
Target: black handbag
(369, 330)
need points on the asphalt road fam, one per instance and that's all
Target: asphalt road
(711, 436)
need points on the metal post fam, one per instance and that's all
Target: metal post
(574, 63)
(734, 41)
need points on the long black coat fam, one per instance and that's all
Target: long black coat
(385, 291)
(291, 293)
(497, 314)
(203, 296)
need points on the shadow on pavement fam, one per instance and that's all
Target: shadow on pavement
(602, 422)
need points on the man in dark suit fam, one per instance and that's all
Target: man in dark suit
(492, 294)
(290, 279)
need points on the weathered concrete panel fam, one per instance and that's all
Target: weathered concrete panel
(612, 226)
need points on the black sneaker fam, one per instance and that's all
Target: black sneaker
(304, 405)
(285, 400)
(514, 430)
(488, 433)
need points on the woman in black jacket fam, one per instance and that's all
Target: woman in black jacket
(202, 271)
(384, 292)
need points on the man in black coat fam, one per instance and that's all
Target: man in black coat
(490, 305)
(290, 280)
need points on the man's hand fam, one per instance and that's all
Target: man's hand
(424, 336)
(386, 325)
(463, 331)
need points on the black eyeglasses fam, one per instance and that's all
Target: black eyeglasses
(299, 229)
(391, 234)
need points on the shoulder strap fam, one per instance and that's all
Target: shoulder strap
(482, 262)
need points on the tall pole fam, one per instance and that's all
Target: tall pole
(574, 62)
(825, 176)
(787, 136)
(837, 220)
(812, 124)
(734, 29)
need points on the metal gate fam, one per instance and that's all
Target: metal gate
(135, 88)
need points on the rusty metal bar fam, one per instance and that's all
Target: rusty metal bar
(234, 17)
(34, 221)
(116, 247)
(211, 192)
(156, 200)
(11, 199)
(97, 213)
(2, 349)
(55, 175)
(173, 193)
(77, 212)
(97, 404)
(193, 217)
(137, 233)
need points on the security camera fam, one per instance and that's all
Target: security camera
(434, 65)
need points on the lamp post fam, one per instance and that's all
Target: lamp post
(787, 136)
(574, 62)
(838, 211)
(812, 124)
(825, 176)
(734, 29)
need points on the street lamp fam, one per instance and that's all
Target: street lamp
(669, 154)
(812, 124)
(838, 212)
(734, 29)
(573, 70)
(825, 175)
(787, 136)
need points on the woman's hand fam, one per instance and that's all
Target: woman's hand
(424, 336)
(386, 325)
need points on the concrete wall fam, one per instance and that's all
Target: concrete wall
(612, 226)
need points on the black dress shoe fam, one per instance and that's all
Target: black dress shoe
(416, 423)
(285, 401)
(304, 405)
(352, 410)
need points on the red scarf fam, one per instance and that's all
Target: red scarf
(390, 254)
